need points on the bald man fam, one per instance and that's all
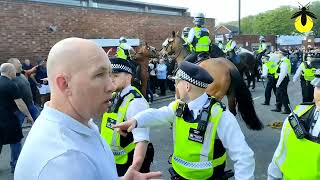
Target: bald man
(64, 143)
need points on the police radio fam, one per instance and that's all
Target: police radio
(296, 125)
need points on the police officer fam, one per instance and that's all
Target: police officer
(124, 50)
(202, 130)
(230, 47)
(262, 48)
(185, 33)
(269, 69)
(198, 37)
(133, 148)
(306, 74)
(298, 158)
(282, 74)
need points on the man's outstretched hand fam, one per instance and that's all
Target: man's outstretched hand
(126, 126)
(133, 174)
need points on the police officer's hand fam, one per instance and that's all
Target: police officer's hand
(133, 174)
(126, 126)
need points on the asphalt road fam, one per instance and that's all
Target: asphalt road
(263, 143)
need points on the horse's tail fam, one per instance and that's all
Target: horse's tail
(244, 100)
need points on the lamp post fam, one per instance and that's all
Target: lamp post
(239, 16)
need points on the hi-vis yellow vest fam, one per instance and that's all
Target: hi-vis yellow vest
(202, 42)
(121, 52)
(288, 63)
(299, 159)
(272, 67)
(193, 160)
(308, 73)
(111, 136)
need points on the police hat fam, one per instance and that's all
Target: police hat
(316, 81)
(119, 65)
(193, 74)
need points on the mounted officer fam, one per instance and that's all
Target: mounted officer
(199, 38)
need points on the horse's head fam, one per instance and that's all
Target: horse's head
(172, 45)
(147, 51)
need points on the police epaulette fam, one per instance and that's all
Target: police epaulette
(223, 106)
(135, 93)
(307, 103)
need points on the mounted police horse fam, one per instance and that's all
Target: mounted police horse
(140, 66)
(227, 81)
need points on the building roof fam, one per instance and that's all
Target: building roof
(150, 4)
(230, 28)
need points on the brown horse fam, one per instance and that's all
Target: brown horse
(227, 81)
(142, 56)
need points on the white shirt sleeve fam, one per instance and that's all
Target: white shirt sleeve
(283, 72)
(233, 140)
(156, 117)
(233, 44)
(264, 70)
(273, 170)
(70, 165)
(135, 106)
(298, 73)
(190, 35)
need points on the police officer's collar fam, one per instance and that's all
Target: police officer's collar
(199, 102)
(126, 90)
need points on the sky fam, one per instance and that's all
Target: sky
(227, 10)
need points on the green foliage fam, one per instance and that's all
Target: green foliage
(277, 21)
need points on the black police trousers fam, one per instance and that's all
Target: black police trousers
(282, 95)
(192, 57)
(307, 90)
(145, 168)
(271, 85)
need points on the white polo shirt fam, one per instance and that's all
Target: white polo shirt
(60, 147)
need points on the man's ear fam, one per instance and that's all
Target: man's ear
(62, 83)
(188, 86)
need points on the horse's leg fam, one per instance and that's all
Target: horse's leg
(248, 78)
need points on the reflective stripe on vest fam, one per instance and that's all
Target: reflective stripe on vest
(308, 73)
(196, 162)
(298, 158)
(203, 42)
(111, 136)
(121, 52)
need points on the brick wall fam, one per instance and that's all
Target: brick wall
(24, 26)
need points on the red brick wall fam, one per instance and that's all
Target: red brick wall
(24, 34)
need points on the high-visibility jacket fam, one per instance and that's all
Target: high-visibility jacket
(201, 41)
(299, 159)
(112, 137)
(308, 72)
(272, 67)
(262, 47)
(191, 159)
(122, 53)
(288, 63)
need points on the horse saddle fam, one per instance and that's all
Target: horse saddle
(203, 56)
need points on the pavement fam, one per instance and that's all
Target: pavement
(263, 142)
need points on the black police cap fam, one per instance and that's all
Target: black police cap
(193, 74)
(120, 65)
